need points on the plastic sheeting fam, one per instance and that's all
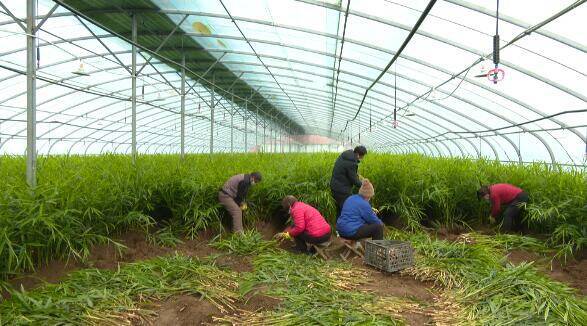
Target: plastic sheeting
(315, 69)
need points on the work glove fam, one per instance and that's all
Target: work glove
(282, 236)
(375, 210)
(491, 219)
(244, 206)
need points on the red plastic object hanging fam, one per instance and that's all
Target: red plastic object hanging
(495, 75)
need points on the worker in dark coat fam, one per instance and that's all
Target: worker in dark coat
(513, 198)
(345, 175)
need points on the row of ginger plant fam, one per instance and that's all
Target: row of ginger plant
(81, 201)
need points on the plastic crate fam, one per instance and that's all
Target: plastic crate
(389, 255)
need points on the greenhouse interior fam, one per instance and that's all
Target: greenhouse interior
(293, 162)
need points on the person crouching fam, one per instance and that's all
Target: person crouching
(513, 198)
(309, 225)
(357, 219)
(233, 194)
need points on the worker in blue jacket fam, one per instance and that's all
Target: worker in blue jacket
(357, 219)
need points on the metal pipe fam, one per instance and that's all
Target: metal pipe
(232, 125)
(31, 162)
(212, 116)
(183, 107)
(270, 139)
(246, 134)
(257, 130)
(134, 89)
(162, 43)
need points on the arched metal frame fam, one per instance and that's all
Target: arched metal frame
(387, 136)
(105, 69)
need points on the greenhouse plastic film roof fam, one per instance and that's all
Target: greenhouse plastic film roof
(278, 71)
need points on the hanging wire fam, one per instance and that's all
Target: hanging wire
(454, 90)
(395, 57)
(521, 35)
(496, 70)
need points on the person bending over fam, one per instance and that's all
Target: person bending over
(233, 194)
(357, 219)
(514, 198)
(345, 175)
(309, 225)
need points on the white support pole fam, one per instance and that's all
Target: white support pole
(232, 125)
(183, 106)
(257, 130)
(246, 135)
(246, 127)
(134, 88)
(31, 162)
(274, 140)
(212, 116)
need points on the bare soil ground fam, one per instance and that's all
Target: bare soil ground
(240, 264)
(383, 284)
(184, 310)
(108, 257)
(257, 300)
(190, 310)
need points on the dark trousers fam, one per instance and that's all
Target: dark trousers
(373, 231)
(339, 198)
(304, 238)
(512, 220)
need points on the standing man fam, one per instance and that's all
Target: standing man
(514, 198)
(345, 175)
(233, 194)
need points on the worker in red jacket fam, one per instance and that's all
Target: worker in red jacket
(513, 197)
(309, 225)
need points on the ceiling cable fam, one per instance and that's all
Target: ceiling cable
(335, 85)
(395, 57)
(524, 33)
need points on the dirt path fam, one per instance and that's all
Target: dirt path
(107, 257)
(138, 248)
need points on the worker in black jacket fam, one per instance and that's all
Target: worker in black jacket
(345, 175)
